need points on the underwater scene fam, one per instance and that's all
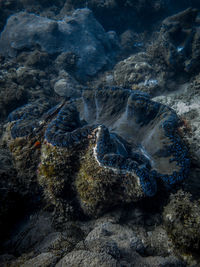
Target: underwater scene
(100, 133)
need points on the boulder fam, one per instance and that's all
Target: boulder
(83, 258)
(79, 33)
(67, 86)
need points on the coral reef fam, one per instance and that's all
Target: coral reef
(90, 176)
(107, 147)
(171, 55)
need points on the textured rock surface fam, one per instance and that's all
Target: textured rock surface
(32, 233)
(21, 83)
(137, 72)
(182, 221)
(101, 242)
(86, 258)
(93, 49)
(35, 59)
(42, 260)
(119, 241)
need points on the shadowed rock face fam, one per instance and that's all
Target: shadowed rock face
(124, 144)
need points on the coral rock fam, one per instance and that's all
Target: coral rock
(182, 222)
(94, 49)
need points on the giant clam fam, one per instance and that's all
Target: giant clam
(107, 147)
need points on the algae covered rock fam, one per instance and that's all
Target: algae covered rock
(138, 73)
(178, 42)
(182, 222)
(55, 171)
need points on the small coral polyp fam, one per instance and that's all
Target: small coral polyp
(107, 147)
